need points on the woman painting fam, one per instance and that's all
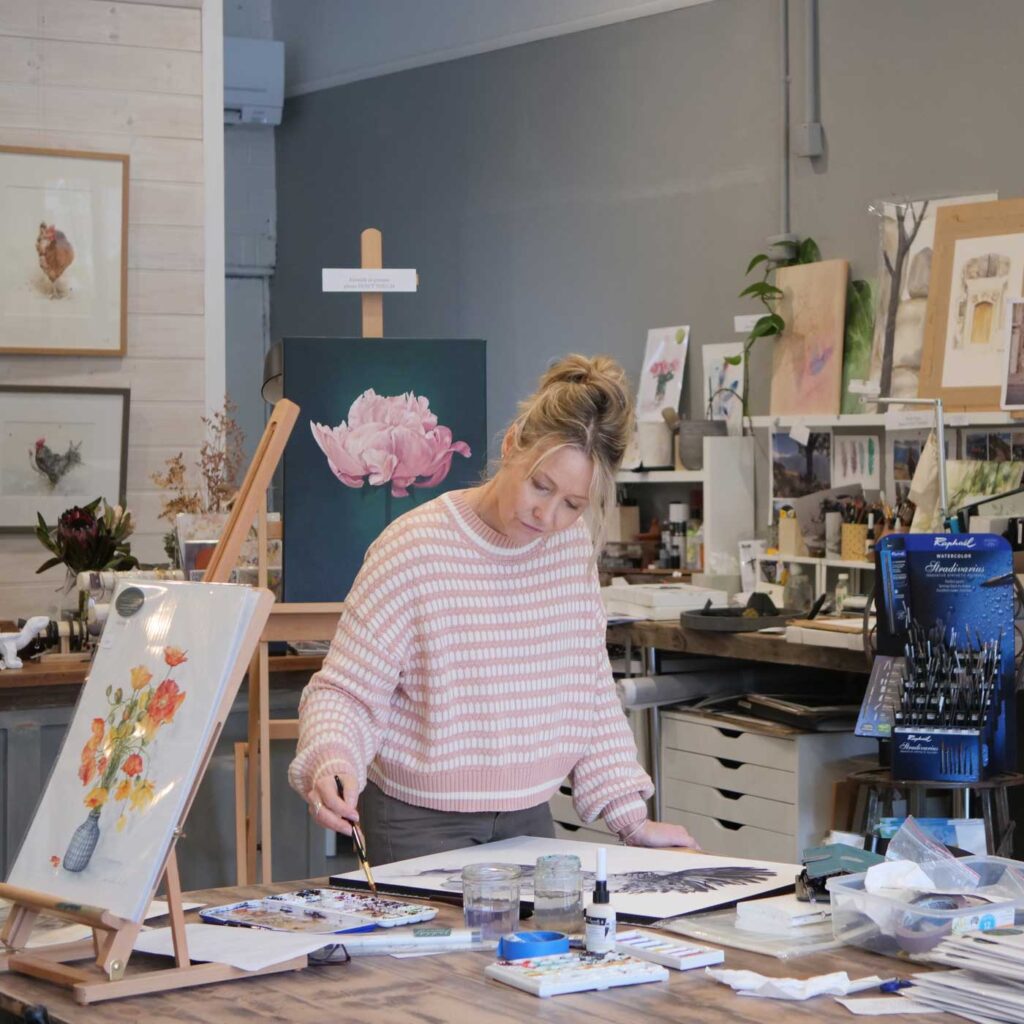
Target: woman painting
(468, 675)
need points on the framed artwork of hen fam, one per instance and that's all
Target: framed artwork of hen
(63, 252)
(60, 447)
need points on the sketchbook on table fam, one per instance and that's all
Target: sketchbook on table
(645, 884)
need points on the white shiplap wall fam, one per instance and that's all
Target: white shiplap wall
(120, 77)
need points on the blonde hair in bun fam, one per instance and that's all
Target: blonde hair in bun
(584, 402)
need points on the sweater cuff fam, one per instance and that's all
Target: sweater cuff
(625, 815)
(313, 764)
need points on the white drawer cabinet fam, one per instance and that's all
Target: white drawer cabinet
(743, 792)
(569, 826)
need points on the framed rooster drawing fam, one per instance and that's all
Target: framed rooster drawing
(63, 252)
(59, 447)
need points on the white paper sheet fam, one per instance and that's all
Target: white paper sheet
(647, 883)
(881, 1006)
(249, 949)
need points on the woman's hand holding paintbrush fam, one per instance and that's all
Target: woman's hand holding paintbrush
(331, 810)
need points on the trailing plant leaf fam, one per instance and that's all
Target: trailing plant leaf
(759, 258)
(762, 289)
(808, 252)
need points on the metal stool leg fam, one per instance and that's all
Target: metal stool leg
(985, 796)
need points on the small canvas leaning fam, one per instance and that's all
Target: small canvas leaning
(168, 666)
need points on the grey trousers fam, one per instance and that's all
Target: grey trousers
(395, 830)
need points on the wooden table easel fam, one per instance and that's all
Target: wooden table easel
(299, 621)
(113, 937)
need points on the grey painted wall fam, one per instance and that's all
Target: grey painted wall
(571, 193)
(562, 195)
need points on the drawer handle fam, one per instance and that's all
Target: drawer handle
(732, 826)
(730, 794)
(732, 734)
(731, 765)
(567, 790)
(568, 827)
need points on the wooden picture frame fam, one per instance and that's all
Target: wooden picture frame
(63, 252)
(83, 455)
(977, 265)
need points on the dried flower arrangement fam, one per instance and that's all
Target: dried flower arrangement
(221, 458)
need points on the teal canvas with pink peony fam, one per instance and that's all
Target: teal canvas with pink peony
(392, 423)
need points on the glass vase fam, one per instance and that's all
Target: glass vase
(83, 843)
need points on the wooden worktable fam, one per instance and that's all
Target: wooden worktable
(763, 647)
(452, 989)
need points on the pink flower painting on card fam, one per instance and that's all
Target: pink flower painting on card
(663, 371)
(389, 439)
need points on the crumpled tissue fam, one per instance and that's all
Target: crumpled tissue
(750, 983)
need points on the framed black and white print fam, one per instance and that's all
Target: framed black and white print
(59, 447)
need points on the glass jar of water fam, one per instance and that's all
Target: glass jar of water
(490, 898)
(558, 894)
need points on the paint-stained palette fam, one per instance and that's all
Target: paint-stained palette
(326, 911)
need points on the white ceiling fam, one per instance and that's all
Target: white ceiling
(331, 42)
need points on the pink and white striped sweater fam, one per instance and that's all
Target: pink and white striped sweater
(470, 674)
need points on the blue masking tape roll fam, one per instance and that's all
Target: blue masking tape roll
(527, 945)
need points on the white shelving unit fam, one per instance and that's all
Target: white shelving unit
(890, 420)
(728, 497)
(821, 568)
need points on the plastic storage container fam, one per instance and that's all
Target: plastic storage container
(912, 923)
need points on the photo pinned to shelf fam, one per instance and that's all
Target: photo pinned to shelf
(59, 447)
(856, 460)
(903, 452)
(978, 266)
(723, 384)
(661, 377)
(64, 252)
(799, 467)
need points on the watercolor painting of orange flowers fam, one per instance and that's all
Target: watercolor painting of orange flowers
(114, 764)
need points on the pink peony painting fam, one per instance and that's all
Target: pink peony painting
(389, 439)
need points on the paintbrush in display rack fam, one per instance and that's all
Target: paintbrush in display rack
(947, 683)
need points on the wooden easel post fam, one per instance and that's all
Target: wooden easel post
(114, 937)
(314, 621)
(371, 250)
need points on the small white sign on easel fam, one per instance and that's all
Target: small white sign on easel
(364, 279)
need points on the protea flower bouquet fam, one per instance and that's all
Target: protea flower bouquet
(91, 537)
(389, 440)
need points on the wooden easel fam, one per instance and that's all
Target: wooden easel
(113, 937)
(312, 621)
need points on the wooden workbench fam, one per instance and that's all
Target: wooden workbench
(452, 989)
(758, 647)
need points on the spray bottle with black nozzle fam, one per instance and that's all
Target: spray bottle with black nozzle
(600, 914)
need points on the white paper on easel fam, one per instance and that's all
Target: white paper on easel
(144, 720)
(363, 279)
(248, 949)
